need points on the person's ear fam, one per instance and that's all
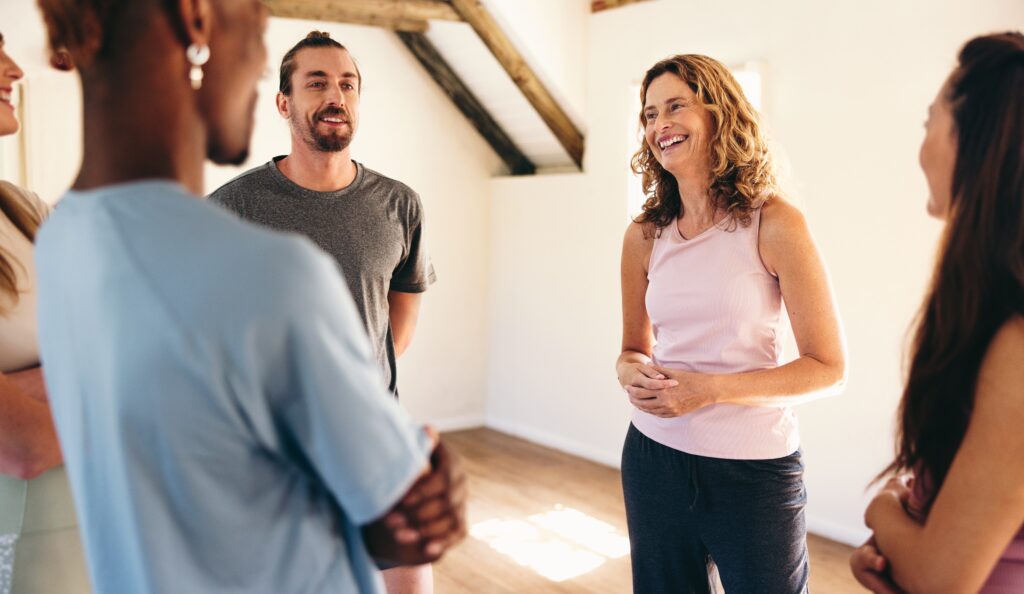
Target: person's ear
(61, 59)
(284, 106)
(195, 21)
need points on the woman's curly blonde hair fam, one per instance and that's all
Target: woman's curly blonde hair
(743, 176)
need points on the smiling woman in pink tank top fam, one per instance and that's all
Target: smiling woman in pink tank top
(957, 527)
(711, 468)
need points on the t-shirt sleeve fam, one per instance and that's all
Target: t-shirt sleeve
(415, 273)
(338, 412)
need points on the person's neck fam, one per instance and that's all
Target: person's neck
(129, 136)
(316, 170)
(698, 208)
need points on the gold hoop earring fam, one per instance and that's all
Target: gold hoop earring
(197, 55)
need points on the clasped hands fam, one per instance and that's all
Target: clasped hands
(429, 519)
(665, 392)
(869, 566)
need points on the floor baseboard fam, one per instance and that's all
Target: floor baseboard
(558, 442)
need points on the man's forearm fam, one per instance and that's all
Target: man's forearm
(403, 312)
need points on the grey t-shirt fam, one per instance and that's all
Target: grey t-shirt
(372, 229)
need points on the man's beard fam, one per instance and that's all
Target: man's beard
(333, 141)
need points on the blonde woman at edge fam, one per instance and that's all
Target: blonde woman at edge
(711, 467)
(40, 551)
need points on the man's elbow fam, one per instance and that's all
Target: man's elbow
(401, 344)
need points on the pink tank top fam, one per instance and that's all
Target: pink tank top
(715, 308)
(1007, 576)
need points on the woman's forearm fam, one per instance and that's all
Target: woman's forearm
(899, 539)
(918, 560)
(798, 381)
(630, 357)
(28, 440)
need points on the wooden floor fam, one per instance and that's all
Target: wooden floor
(522, 494)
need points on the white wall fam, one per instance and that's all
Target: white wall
(409, 131)
(846, 90)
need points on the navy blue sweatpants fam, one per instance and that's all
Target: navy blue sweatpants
(688, 514)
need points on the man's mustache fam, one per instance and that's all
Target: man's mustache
(332, 111)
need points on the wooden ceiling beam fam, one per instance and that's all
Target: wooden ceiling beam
(398, 15)
(557, 120)
(468, 104)
(599, 5)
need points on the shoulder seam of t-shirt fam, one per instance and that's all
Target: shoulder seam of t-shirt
(414, 201)
(401, 184)
(238, 178)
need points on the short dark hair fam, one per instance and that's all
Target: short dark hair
(315, 39)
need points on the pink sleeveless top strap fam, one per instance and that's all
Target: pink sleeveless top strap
(1007, 576)
(715, 308)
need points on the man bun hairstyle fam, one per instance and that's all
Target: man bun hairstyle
(315, 39)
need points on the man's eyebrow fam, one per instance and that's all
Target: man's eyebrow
(322, 74)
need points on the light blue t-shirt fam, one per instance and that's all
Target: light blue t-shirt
(224, 424)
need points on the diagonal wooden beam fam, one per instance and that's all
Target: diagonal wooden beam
(468, 104)
(400, 15)
(599, 5)
(474, 13)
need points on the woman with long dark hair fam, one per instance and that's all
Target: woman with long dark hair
(40, 548)
(954, 525)
(711, 467)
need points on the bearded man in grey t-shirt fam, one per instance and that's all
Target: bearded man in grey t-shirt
(371, 224)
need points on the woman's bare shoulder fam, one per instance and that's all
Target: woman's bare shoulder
(781, 217)
(639, 234)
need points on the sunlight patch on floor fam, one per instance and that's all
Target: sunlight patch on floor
(559, 544)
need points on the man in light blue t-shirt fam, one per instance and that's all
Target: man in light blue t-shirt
(216, 432)
(223, 420)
